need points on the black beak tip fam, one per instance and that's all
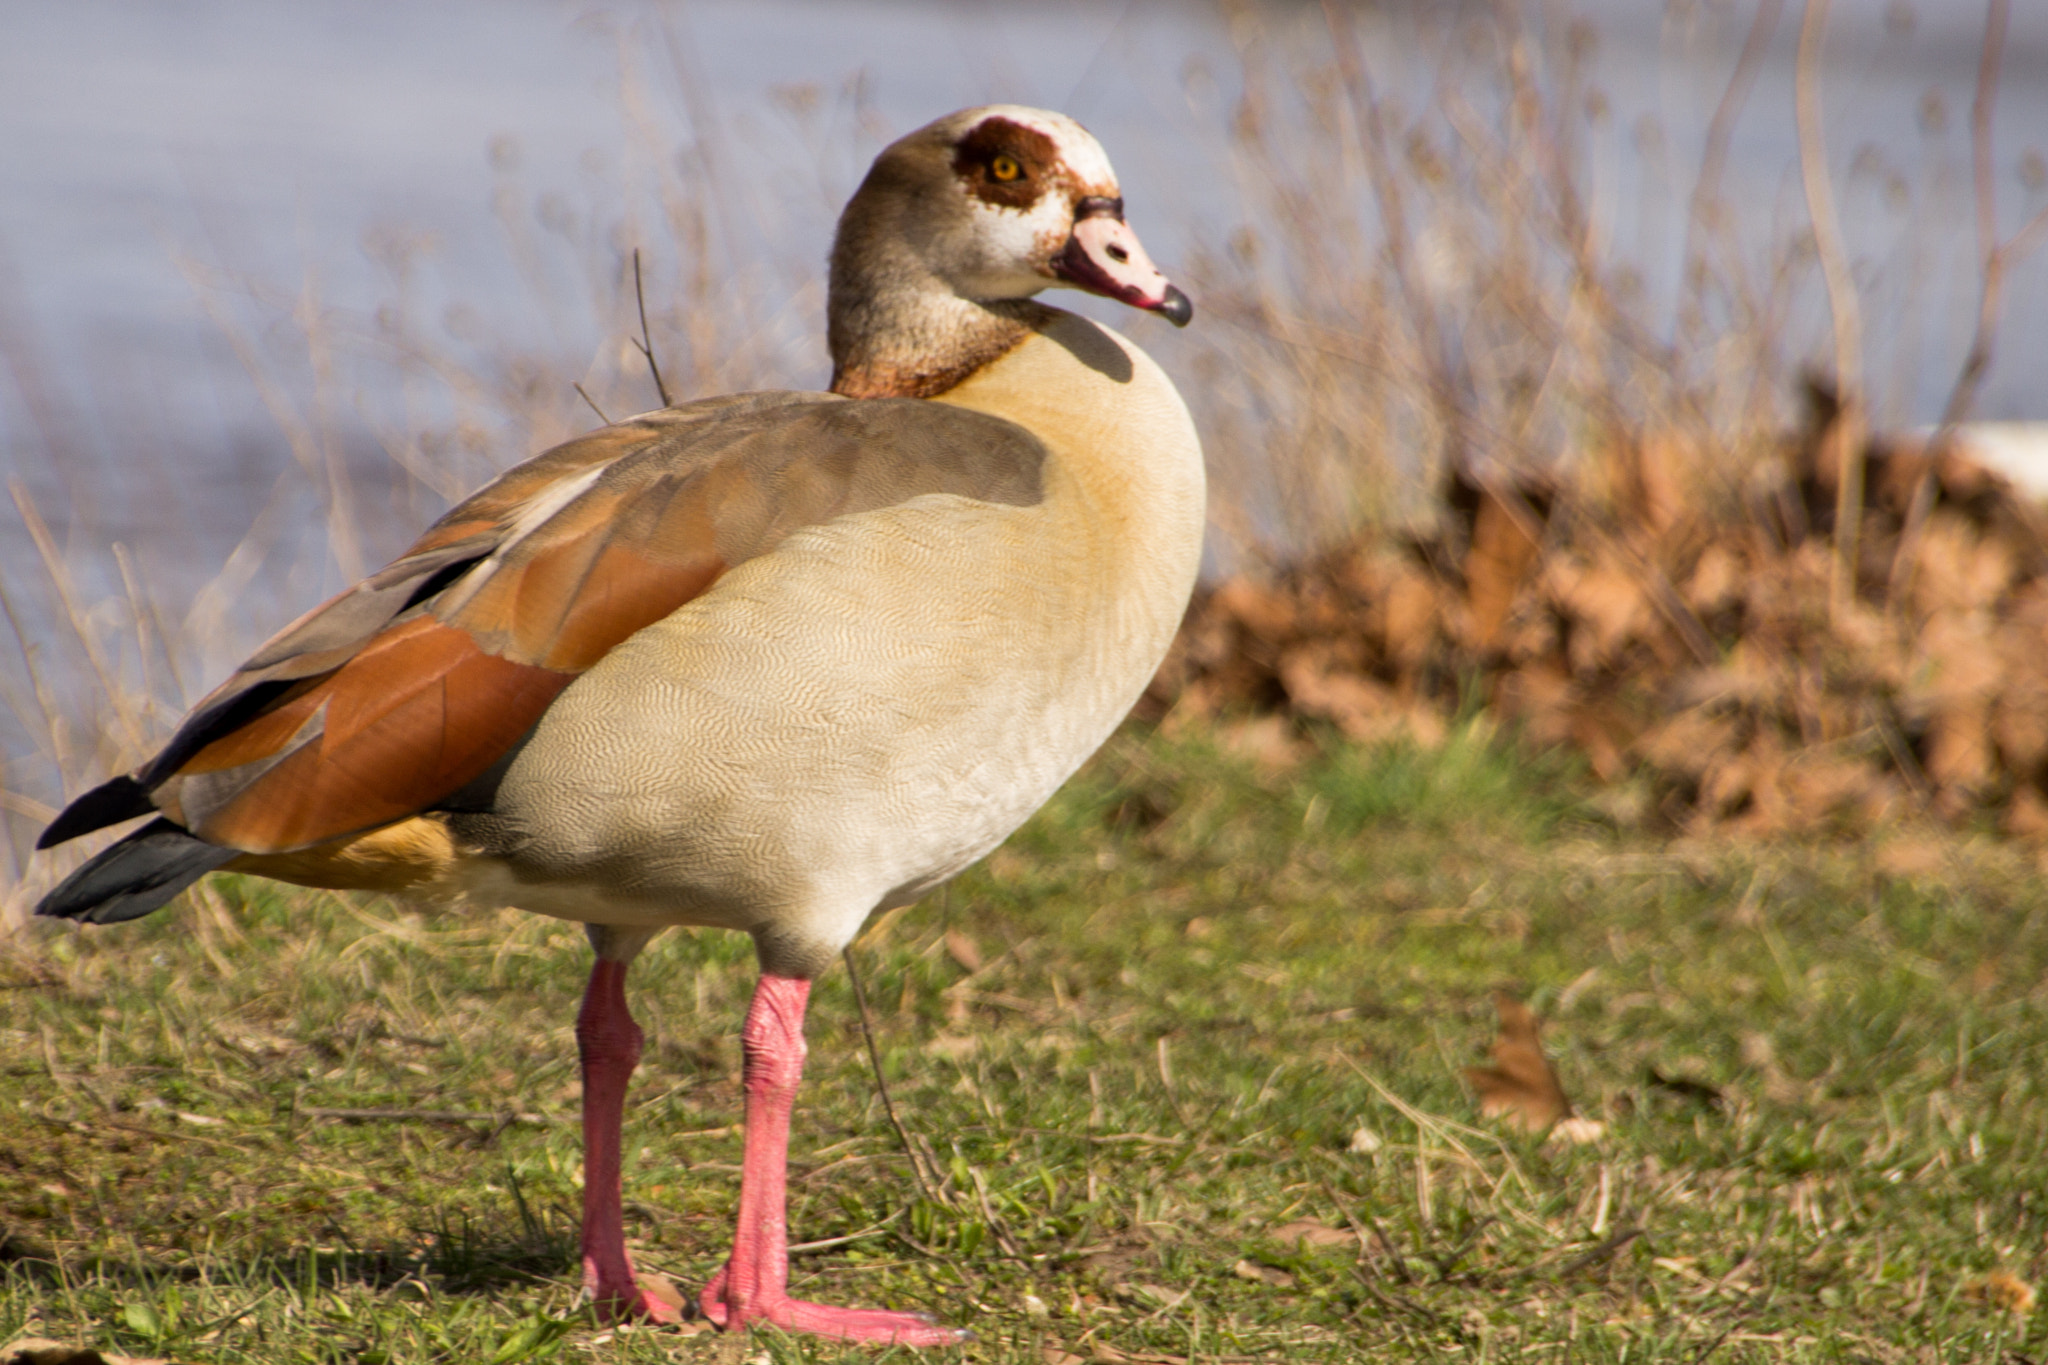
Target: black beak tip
(1178, 308)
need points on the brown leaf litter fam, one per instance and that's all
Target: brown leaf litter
(1674, 622)
(1309, 1232)
(2004, 1290)
(1520, 1088)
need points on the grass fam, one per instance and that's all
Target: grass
(1211, 1002)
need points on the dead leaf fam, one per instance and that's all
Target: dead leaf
(1583, 608)
(964, 951)
(1520, 1087)
(1319, 683)
(1496, 566)
(2002, 1289)
(1055, 1355)
(1646, 480)
(1960, 759)
(1267, 742)
(2027, 815)
(661, 1287)
(1716, 580)
(1410, 611)
(1311, 1233)
(1685, 745)
(1259, 1273)
(1606, 598)
(1264, 614)
(1960, 568)
(2019, 718)
(1912, 857)
(1819, 783)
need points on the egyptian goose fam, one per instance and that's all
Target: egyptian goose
(765, 662)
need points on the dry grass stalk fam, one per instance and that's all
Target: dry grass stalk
(1845, 437)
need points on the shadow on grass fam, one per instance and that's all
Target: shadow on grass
(458, 1256)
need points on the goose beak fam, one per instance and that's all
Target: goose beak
(1105, 257)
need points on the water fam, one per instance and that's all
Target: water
(141, 142)
(165, 167)
(158, 161)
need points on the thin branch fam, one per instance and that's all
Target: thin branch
(1706, 190)
(928, 1188)
(1386, 189)
(425, 1116)
(1994, 254)
(827, 1243)
(580, 393)
(1996, 15)
(1847, 433)
(646, 341)
(1999, 258)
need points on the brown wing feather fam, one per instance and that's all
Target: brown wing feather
(419, 713)
(404, 690)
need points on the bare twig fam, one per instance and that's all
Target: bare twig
(1386, 190)
(1847, 432)
(827, 1243)
(646, 341)
(926, 1185)
(1720, 130)
(580, 393)
(1998, 259)
(423, 1116)
(1605, 1251)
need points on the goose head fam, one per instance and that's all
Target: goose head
(960, 222)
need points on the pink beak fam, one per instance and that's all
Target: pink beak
(1105, 257)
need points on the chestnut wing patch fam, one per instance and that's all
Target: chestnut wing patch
(407, 688)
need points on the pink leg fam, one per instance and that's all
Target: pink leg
(608, 1042)
(754, 1286)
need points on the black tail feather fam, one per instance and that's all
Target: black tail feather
(107, 804)
(135, 876)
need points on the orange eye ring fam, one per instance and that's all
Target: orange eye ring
(1004, 167)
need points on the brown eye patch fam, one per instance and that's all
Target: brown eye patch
(1005, 163)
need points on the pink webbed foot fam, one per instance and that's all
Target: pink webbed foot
(844, 1324)
(753, 1287)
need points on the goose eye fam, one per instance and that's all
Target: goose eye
(1005, 167)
